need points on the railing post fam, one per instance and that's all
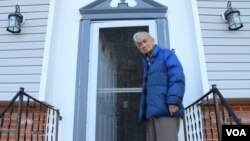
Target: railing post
(217, 113)
(184, 125)
(19, 115)
(58, 118)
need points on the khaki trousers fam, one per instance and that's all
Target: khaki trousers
(162, 129)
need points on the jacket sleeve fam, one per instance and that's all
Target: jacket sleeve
(176, 80)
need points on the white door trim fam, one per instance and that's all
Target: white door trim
(93, 65)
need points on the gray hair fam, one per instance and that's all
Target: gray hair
(141, 32)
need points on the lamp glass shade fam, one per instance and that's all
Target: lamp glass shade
(234, 21)
(15, 21)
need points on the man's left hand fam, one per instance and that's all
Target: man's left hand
(173, 109)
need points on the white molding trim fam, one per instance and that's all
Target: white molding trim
(199, 41)
(47, 46)
(92, 84)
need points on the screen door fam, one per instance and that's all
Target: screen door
(115, 79)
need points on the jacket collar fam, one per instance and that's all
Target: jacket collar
(156, 50)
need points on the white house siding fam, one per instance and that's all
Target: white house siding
(227, 52)
(21, 54)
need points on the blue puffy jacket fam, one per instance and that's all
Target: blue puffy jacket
(163, 84)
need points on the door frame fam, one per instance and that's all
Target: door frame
(93, 65)
(101, 10)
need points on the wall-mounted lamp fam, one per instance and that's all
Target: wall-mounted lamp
(233, 17)
(15, 20)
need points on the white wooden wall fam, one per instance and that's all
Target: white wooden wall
(227, 52)
(21, 54)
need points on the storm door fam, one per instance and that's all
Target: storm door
(115, 79)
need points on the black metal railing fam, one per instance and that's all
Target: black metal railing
(204, 118)
(28, 119)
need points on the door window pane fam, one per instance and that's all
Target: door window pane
(119, 74)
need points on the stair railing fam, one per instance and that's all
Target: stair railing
(204, 118)
(27, 119)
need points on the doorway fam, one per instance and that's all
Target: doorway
(115, 81)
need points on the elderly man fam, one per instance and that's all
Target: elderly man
(163, 90)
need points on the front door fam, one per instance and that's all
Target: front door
(115, 79)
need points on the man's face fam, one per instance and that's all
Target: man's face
(145, 44)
